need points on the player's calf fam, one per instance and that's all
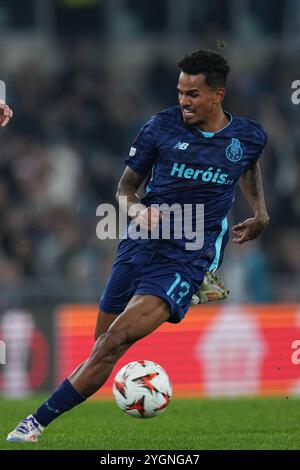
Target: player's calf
(143, 315)
(103, 323)
(108, 348)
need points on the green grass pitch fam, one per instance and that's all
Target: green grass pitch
(187, 424)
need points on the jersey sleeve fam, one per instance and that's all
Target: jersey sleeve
(142, 153)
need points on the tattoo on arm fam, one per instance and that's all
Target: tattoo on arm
(129, 182)
(252, 188)
(128, 186)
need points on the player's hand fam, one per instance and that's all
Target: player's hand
(5, 114)
(148, 218)
(250, 229)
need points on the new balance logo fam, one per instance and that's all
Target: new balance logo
(132, 151)
(181, 145)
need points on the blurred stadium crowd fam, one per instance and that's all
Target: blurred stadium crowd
(61, 156)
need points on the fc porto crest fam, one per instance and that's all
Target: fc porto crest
(234, 151)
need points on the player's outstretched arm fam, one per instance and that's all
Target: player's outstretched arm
(252, 188)
(5, 114)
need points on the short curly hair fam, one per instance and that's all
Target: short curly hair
(209, 63)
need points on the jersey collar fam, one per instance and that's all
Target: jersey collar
(209, 135)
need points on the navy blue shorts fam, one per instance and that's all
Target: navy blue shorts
(142, 272)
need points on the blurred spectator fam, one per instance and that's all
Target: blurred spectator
(246, 273)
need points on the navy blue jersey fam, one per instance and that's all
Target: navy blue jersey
(182, 165)
(185, 165)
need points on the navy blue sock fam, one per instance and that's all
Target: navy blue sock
(63, 399)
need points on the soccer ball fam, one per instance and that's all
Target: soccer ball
(142, 389)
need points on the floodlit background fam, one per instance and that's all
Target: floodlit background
(82, 77)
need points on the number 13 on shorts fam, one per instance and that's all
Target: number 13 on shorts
(179, 289)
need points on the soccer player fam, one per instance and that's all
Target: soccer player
(194, 154)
